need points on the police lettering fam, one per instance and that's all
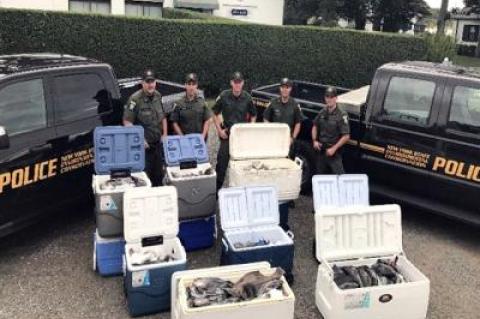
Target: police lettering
(457, 169)
(28, 175)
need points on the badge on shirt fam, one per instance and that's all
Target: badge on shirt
(345, 119)
(132, 105)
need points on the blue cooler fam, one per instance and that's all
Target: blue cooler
(151, 228)
(283, 207)
(107, 255)
(250, 216)
(119, 155)
(198, 233)
(189, 170)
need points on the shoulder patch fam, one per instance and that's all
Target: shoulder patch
(131, 105)
(218, 98)
(345, 119)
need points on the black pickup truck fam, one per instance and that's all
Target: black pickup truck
(49, 106)
(415, 131)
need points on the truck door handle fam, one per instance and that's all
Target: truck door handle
(40, 148)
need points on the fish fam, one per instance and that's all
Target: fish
(353, 272)
(364, 276)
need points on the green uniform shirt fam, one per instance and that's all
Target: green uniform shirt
(190, 115)
(279, 112)
(234, 109)
(146, 111)
(331, 126)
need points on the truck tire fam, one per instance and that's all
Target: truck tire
(305, 152)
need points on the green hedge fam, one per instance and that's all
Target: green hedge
(211, 48)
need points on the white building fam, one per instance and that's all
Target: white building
(256, 11)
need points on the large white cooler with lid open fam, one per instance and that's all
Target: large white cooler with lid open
(151, 227)
(333, 191)
(360, 235)
(119, 156)
(259, 157)
(275, 308)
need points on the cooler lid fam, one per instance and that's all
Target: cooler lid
(259, 140)
(248, 207)
(358, 231)
(150, 212)
(185, 148)
(325, 192)
(354, 189)
(119, 148)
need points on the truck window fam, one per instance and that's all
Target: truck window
(409, 100)
(465, 110)
(22, 107)
(80, 96)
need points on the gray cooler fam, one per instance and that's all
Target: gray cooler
(119, 162)
(189, 170)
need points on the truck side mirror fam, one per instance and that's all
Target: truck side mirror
(4, 140)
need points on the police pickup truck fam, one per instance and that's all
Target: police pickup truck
(49, 106)
(415, 131)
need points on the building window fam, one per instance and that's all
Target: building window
(465, 110)
(470, 33)
(90, 6)
(409, 100)
(149, 9)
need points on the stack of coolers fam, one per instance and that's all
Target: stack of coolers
(189, 170)
(153, 251)
(278, 306)
(249, 219)
(363, 271)
(119, 165)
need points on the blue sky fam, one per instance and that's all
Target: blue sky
(451, 3)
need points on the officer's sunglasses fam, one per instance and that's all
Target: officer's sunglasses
(149, 81)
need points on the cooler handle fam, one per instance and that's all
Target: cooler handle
(298, 161)
(225, 245)
(290, 234)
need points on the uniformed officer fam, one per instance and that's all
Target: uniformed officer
(191, 113)
(145, 108)
(235, 106)
(330, 132)
(285, 109)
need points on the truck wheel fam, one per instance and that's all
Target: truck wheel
(305, 152)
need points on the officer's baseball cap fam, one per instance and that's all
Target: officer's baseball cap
(237, 76)
(148, 75)
(331, 92)
(191, 77)
(286, 81)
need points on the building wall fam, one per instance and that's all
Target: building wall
(256, 11)
(264, 11)
(461, 24)
(54, 5)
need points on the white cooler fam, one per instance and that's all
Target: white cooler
(355, 236)
(274, 308)
(259, 157)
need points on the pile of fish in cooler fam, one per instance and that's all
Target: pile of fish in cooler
(210, 291)
(263, 166)
(146, 257)
(383, 272)
(122, 183)
(192, 172)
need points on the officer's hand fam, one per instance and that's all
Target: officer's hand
(146, 145)
(317, 145)
(330, 152)
(223, 134)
